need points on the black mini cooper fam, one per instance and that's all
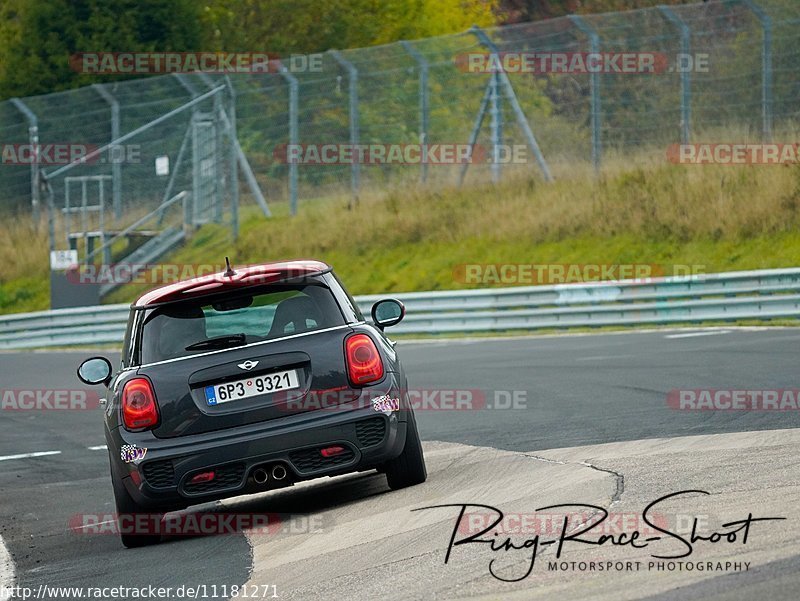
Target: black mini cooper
(251, 380)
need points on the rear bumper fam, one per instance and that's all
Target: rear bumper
(162, 478)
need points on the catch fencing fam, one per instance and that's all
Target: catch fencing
(726, 71)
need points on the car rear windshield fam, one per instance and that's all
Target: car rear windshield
(187, 328)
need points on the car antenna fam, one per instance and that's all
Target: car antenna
(228, 269)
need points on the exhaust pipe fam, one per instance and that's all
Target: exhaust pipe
(279, 472)
(260, 475)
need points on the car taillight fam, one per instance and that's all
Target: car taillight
(139, 411)
(364, 363)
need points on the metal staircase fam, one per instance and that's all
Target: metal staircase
(148, 254)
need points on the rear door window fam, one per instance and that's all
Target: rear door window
(187, 328)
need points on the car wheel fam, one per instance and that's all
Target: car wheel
(126, 506)
(408, 468)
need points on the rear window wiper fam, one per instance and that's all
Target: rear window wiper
(218, 342)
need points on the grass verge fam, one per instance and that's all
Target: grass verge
(717, 218)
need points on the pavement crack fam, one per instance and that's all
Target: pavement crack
(619, 481)
(618, 477)
(545, 459)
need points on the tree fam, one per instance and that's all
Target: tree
(37, 37)
(520, 11)
(302, 26)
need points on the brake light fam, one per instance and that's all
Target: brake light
(364, 363)
(139, 410)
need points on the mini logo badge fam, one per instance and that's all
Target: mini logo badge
(248, 365)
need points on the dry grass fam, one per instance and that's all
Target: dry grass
(667, 203)
(406, 238)
(23, 248)
(24, 265)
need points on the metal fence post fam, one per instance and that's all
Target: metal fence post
(686, 78)
(495, 124)
(766, 68)
(594, 79)
(189, 211)
(33, 140)
(473, 136)
(219, 124)
(51, 211)
(294, 89)
(174, 172)
(189, 206)
(522, 121)
(424, 94)
(220, 120)
(352, 76)
(244, 164)
(233, 167)
(116, 167)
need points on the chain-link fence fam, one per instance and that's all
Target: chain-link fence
(708, 72)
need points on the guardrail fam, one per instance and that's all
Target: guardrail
(720, 297)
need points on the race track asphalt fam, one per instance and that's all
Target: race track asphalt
(574, 390)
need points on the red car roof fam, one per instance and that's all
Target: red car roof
(250, 275)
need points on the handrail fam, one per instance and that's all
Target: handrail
(164, 205)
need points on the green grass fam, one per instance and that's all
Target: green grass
(31, 293)
(429, 265)
(407, 239)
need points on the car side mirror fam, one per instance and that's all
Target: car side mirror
(96, 370)
(388, 312)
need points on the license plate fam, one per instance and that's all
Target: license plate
(253, 386)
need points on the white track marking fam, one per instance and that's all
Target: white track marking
(694, 334)
(29, 455)
(7, 576)
(521, 337)
(95, 525)
(101, 447)
(603, 357)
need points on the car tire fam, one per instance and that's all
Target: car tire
(408, 468)
(127, 506)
